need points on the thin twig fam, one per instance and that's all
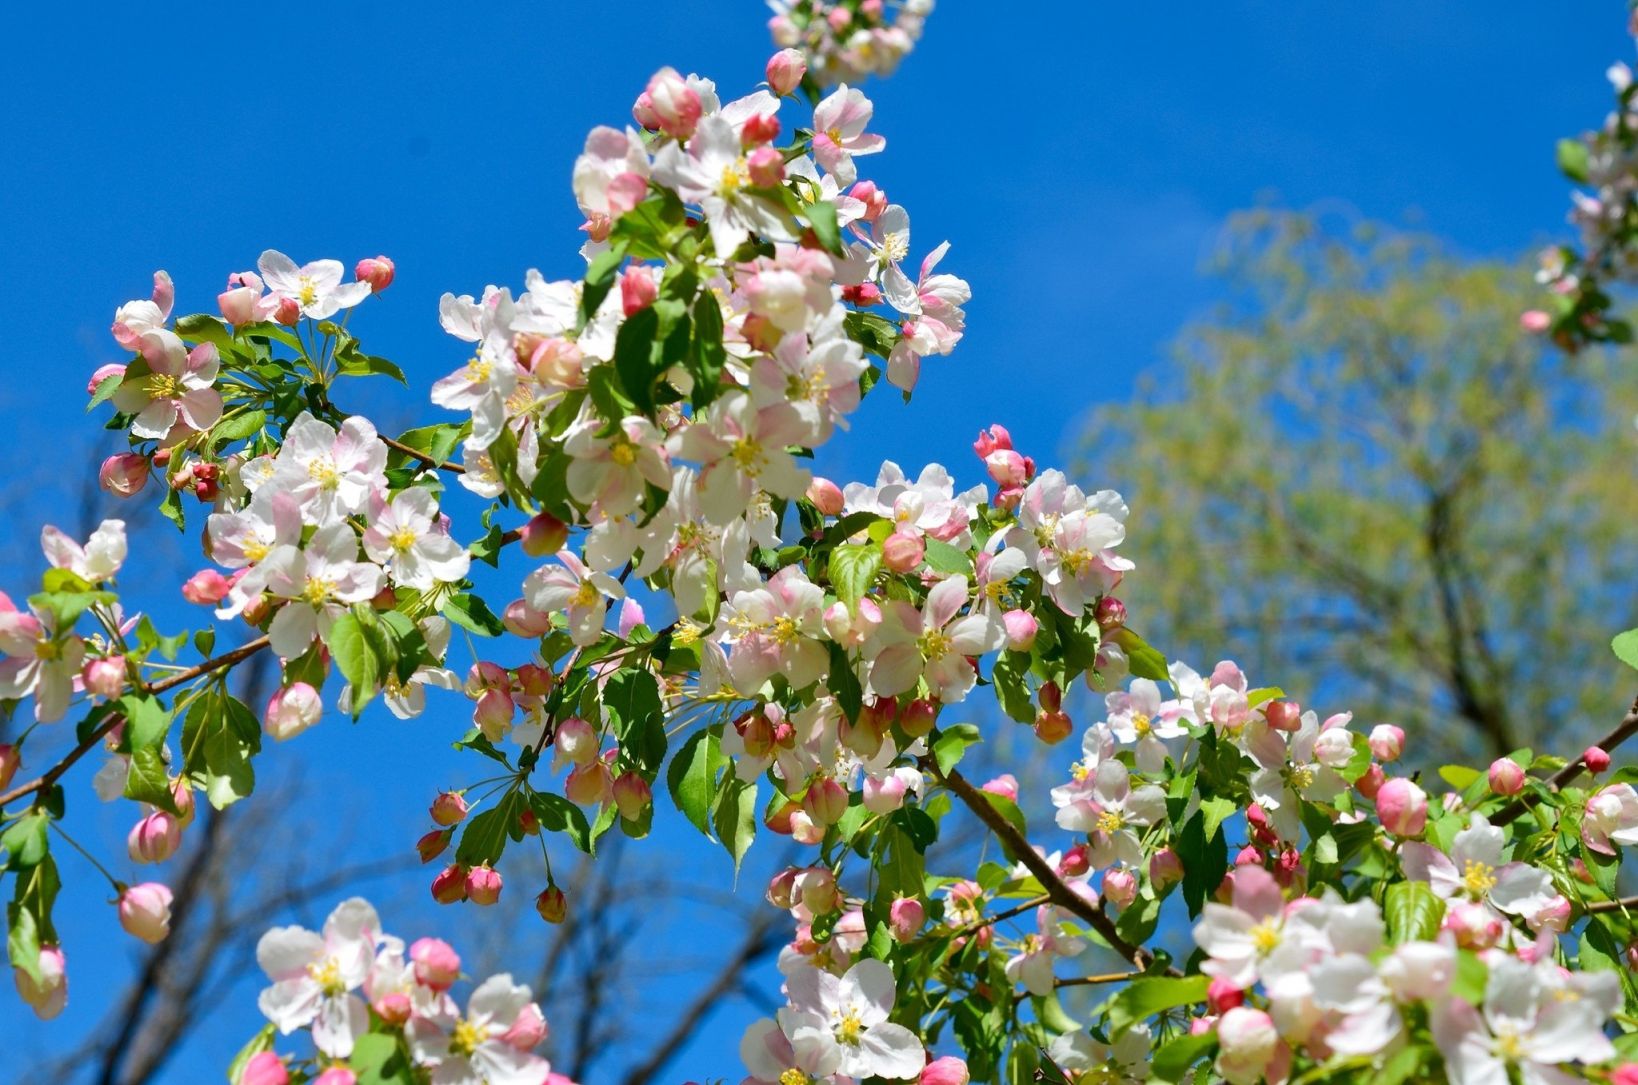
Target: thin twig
(1623, 731)
(1621, 905)
(43, 783)
(430, 461)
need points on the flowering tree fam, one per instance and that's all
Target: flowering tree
(702, 615)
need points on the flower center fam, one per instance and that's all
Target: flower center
(1075, 560)
(1111, 821)
(254, 549)
(934, 644)
(623, 452)
(322, 470)
(465, 1038)
(747, 452)
(317, 591)
(308, 292)
(478, 369)
(165, 386)
(1265, 936)
(584, 596)
(1478, 878)
(850, 1030)
(47, 650)
(734, 177)
(1302, 777)
(1508, 1044)
(896, 246)
(785, 630)
(1142, 725)
(793, 1076)
(327, 974)
(401, 540)
(834, 135)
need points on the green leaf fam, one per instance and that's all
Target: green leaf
(262, 1041)
(1413, 912)
(638, 718)
(1144, 661)
(357, 656)
(706, 355)
(734, 818)
(204, 328)
(1459, 777)
(558, 815)
(25, 842)
(634, 358)
(853, 569)
(238, 427)
(147, 781)
(146, 721)
(1173, 1060)
(473, 614)
(1205, 861)
(105, 390)
(822, 217)
(876, 335)
(1217, 810)
(170, 507)
(378, 1058)
(952, 743)
(1008, 678)
(1573, 159)
(692, 777)
(484, 838)
(1472, 976)
(1625, 647)
(1143, 998)
(943, 558)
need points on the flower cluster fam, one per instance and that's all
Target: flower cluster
(366, 999)
(847, 40)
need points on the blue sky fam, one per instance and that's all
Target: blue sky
(1080, 157)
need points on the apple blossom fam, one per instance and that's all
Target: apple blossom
(145, 911)
(316, 288)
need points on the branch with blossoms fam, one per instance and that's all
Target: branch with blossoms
(815, 655)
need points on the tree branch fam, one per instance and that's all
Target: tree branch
(1059, 893)
(43, 783)
(1623, 731)
(440, 465)
(1621, 905)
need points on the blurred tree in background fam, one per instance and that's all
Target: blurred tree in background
(1363, 473)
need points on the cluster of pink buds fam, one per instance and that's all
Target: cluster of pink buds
(1010, 470)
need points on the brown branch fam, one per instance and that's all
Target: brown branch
(43, 783)
(1059, 893)
(1621, 905)
(1623, 731)
(441, 465)
(990, 921)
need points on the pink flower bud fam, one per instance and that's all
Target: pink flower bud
(826, 496)
(154, 839)
(575, 741)
(145, 911)
(264, 1068)
(989, 440)
(638, 289)
(437, 965)
(207, 587)
(885, 794)
(764, 162)
(1247, 1043)
(875, 201)
(1387, 742)
(493, 713)
(825, 802)
(902, 552)
(1005, 786)
(1371, 782)
(803, 829)
(1053, 727)
(589, 785)
(1022, 629)
(918, 717)
(1120, 887)
(375, 270)
(1110, 613)
(528, 1030)
(449, 885)
(1402, 807)
(781, 887)
(1222, 996)
(552, 905)
(544, 534)
(1006, 467)
(1596, 760)
(449, 808)
(1534, 321)
(1248, 856)
(862, 294)
(11, 758)
(1334, 748)
(102, 374)
(47, 996)
(432, 845)
(124, 474)
(785, 71)
(1165, 868)
(947, 1070)
(1050, 697)
(240, 305)
(534, 680)
(632, 796)
(1552, 916)
(287, 311)
(905, 917)
(816, 888)
(1283, 715)
(668, 104)
(1506, 776)
(339, 1075)
(839, 18)
(292, 710)
(483, 885)
(523, 620)
(104, 677)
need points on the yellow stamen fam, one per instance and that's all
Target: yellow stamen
(164, 386)
(1478, 878)
(934, 645)
(317, 591)
(793, 1076)
(1265, 936)
(322, 470)
(1111, 821)
(850, 1030)
(401, 540)
(465, 1038)
(1142, 725)
(584, 596)
(327, 974)
(623, 452)
(308, 292)
(747, 452)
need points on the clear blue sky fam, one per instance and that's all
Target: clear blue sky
(1080, 156)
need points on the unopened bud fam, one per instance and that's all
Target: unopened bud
(145, 911)
(483, 885)
(436, 963)
(825, 801)
(1053, 727)
(826, 496)
(1371, 781)
(905, 917)
(1283, 715)
(104, 677)
(1387, 742)
(154, 839)
(632, 795)
(1165, 868)
(449, 808)
(10, 759)
(1050, 697)
(1596, 760)
(1506, 776)
(124, 474)
(918, 717)
(902, 552)
(1120, 887)
(785, 71)
(523, 620)
(552, 905)
(292, 710)
(206, 587)
(764, 162)
(375, 270)
(1022, 627)
(638, 288)
(433, 844)
(544, 534)
(575, 741)
(264, 1068)
(449, 885)
(1402, 807)
(1222, 995)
